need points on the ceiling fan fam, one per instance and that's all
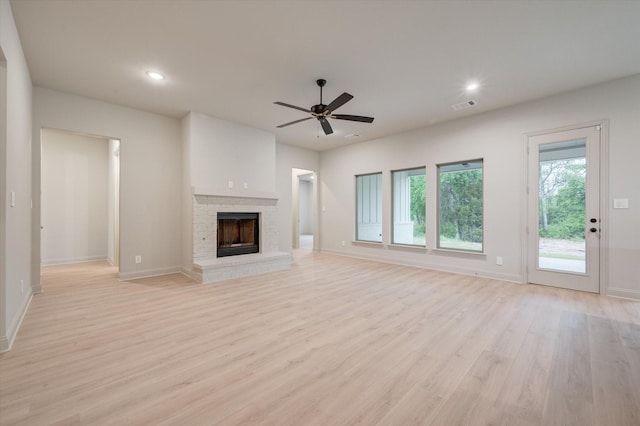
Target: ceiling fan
(321, 111)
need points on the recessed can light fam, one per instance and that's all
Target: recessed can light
(155, 75)
(472, 86)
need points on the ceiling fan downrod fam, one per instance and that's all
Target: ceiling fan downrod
(321, 82)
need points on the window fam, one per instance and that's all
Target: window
(409, 206)
(369, 207)
(460, 201)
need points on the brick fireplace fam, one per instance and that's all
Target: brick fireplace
(261, 257)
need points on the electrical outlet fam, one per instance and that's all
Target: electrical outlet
(230, 184)
(499, 260)
(138, 259)
(246, 185)
(342, 243)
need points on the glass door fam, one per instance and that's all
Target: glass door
(564, 219)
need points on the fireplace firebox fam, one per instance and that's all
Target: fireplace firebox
(238, 233)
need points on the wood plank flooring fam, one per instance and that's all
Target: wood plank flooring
(332, 341)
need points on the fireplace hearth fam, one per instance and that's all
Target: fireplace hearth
(238, 233)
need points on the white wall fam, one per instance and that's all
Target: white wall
(150, 175)
(498, 137)
(287, 158)
(222, 151)
(113, 198)
(187, 204)
(75, 192)
(306, 203)
(15, 238)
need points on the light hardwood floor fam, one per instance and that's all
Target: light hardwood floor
(332, 341)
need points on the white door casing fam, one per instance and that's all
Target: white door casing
(580, 146)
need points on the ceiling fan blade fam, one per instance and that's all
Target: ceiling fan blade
(338, 102)
(294, 122)
(352, 118)
(326, 126)
(292, 106)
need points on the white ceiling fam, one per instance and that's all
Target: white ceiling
(405, 62)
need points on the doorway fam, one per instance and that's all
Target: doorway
(303, 209)
(80, 186)
(564, 215)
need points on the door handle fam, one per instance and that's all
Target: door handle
(593, 229)
(593, 220)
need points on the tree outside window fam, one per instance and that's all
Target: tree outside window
(460, 202)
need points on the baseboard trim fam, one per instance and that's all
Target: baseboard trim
(124, 276)
(624, 293)
(71, 260)
(189, 273)
(462, 271)
(6, 342)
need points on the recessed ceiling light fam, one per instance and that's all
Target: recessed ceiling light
(472, 86)
(155, 75)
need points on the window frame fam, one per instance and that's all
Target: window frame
(438, 203)
(393, 213)
(380, 195)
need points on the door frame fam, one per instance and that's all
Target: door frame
(295, 207)
(603, 202)
(117, 197)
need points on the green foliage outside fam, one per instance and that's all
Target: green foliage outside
(562, 199)
(418, 206)
(461, 206)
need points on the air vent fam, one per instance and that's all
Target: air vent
(464, 105)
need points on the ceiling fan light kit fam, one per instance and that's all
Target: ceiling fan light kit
(322, 112)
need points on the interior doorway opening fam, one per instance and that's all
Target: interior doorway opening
(304, 198)
(80, 198)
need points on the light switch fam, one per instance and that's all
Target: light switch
(13, 198)
(621, 203)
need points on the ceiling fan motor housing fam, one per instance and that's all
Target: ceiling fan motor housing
(318, 109)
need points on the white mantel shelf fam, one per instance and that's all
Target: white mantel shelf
(236, 193)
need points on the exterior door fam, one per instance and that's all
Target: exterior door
(563, 202)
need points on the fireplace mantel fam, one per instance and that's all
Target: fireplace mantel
(235, 193)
